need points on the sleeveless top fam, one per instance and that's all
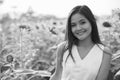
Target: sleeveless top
(82, 69)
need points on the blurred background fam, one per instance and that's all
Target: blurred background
(30, 31)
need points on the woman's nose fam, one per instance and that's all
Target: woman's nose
(78, 27)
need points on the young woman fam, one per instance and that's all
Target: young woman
(82, 56)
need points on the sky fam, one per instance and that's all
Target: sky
(60, 8)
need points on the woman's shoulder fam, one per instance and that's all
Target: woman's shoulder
(62, 47)
(63, 44)
(106, 50)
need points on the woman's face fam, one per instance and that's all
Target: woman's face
(81, 27)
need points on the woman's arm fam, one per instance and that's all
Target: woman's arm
(105, 66)
(58, 71)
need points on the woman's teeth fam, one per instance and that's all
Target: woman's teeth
(80, 32)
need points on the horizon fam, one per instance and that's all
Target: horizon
(59, 8)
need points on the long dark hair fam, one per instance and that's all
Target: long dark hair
(70, 38)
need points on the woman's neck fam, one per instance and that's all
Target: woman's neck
(85, 43)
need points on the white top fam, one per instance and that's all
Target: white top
(83, 69)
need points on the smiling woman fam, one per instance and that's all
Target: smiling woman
(82, 56)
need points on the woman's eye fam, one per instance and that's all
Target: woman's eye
(72, 25)
(82, 22)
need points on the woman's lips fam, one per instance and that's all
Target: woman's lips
(80, 32)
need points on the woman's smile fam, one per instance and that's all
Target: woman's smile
(80, 32)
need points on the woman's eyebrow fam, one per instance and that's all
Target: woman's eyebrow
(81, 20)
